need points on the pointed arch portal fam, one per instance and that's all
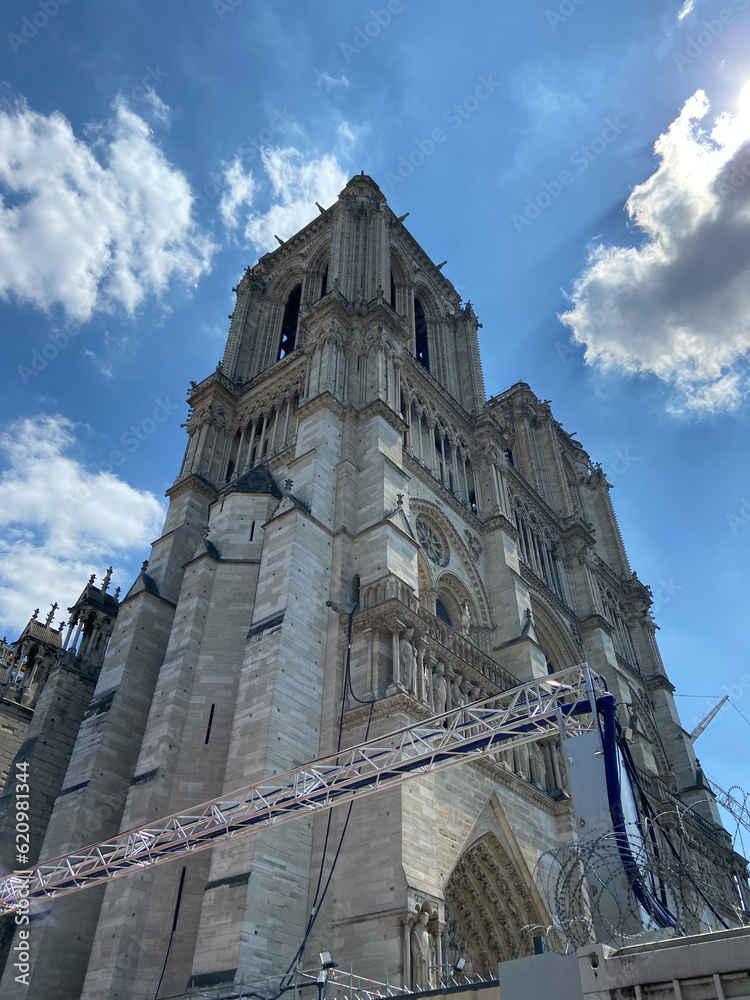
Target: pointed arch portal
(489, 909)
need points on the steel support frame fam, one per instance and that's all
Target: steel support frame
(527, 713)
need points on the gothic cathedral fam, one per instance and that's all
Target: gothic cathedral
(357, 539)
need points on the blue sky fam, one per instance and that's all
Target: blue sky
(149, 153)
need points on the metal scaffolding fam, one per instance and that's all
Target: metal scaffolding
(563, 703)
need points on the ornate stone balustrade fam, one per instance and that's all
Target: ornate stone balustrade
(390, 607)
(403, 654)
(388, 588)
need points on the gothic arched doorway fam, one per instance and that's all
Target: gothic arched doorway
(490, 916)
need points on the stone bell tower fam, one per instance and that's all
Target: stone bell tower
(345, 473)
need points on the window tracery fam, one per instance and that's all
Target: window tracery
(435, 546)
(538, 547)
(617, 615)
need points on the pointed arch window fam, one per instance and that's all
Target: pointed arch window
(324, 283)
(289, 322)
(393, 292)
(442, 612)
(421, 347)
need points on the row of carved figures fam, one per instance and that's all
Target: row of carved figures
(443, 688)
(434, 951)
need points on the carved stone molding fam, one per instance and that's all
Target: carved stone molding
(474, 545)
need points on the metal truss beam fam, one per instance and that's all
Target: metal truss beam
(560, 703)
(739, 810)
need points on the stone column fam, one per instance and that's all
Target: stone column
(213, 450)
(275, 431)
(286, 421)
(199, 447)
(395, 684)
(406, 924)
(78, 633)
(456, 485)
(240, 446)
(370, 635)
(494, 482)
(262, 437)
(70, 629)
(250, 446)
(438, 951)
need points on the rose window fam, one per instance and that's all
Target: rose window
(435, 547)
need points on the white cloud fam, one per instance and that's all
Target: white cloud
(158, 108)
(678, 305)
(297, 184)
(92, 226)
(346, 133)
(60, 522)
(687, 8)
(329, 82)
(105, 367)
(240, 190)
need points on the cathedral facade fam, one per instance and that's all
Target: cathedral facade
(357, 539)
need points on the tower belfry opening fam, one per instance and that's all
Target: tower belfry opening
(357, 539)
(421, 346)
(290, 320)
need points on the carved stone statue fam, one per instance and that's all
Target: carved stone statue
(465, 621)
(521, 762)
(407, 659)
(451, 941)
(439, 689)
(421, 952)
(536, 763)
(457, 698)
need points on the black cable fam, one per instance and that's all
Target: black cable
(320, 897)
(174, 925)
(739, 713)
(635, 778)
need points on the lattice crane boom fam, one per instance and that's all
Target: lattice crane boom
(563, 703)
